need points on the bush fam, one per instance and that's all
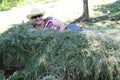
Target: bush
(67, 55)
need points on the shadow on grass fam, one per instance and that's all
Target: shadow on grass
(110, 11)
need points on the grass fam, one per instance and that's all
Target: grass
(8, 4)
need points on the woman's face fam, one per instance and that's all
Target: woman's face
(37, 19)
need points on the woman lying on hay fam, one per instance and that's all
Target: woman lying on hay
(36, 16)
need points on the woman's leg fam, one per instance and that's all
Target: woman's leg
(73, 27)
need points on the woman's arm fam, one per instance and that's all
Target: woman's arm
(58, 24)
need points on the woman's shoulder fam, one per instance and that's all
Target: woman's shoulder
(48, 18)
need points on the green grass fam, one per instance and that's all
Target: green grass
(5, 5)
(8, 4)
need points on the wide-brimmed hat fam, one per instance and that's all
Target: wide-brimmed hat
(35, 12)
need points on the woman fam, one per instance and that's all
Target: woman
(49, 23)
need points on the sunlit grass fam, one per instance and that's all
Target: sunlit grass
(8, 4)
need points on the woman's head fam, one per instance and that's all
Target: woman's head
(36, 16)
(34, 13)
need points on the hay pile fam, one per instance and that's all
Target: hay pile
(48, 54)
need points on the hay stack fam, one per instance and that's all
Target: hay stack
(61, 55)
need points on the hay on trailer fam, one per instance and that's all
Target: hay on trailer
(62, 55)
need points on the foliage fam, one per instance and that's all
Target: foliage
(8, 4)
(111, 9)
(62, 55)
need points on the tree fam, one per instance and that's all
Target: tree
(85, 15)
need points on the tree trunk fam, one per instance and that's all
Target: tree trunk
(85, 10)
